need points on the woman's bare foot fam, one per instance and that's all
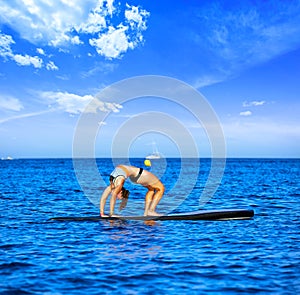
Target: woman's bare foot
(153, 213)
(115, 215)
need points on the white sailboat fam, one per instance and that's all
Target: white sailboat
(155, 154)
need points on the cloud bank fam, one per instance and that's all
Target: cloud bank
(102, 24)
(70, 103)
(6, 52)
(76, 104)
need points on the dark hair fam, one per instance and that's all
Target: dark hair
(125, 195)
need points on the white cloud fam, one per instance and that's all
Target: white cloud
(51, 66)
(5, 47)
(23, 60)
(118, 40)
(246, 113)
(40, 21)
(76, 104)
(40, 51)
(10, 103)
(94, 24)
(254, 103)
(136, 17)
(5, 43)
(113, 43)
(64, 101)
(26, 60)
(76, 40)
(63, 24)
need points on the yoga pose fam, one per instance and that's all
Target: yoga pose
(136, 175)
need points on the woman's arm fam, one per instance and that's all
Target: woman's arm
(114, 195)
(113, 199)
(103, 199)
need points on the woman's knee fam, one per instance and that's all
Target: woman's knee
(161, 188)
(157, 187)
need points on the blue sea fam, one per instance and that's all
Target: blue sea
(256, 256)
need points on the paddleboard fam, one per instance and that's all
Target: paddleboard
(226, 214)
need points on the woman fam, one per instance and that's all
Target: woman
(136, 175)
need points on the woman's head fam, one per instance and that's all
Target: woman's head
(125, 194)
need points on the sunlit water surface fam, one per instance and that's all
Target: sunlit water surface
(257, 256)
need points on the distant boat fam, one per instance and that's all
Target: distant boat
(155, 154)
(7, 158)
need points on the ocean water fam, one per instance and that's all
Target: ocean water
(257, 256)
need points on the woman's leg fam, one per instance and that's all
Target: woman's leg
(148, 200)
(159, 191)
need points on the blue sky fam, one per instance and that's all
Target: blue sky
(55, 57)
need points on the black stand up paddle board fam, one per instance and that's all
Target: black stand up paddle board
(226, 214)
